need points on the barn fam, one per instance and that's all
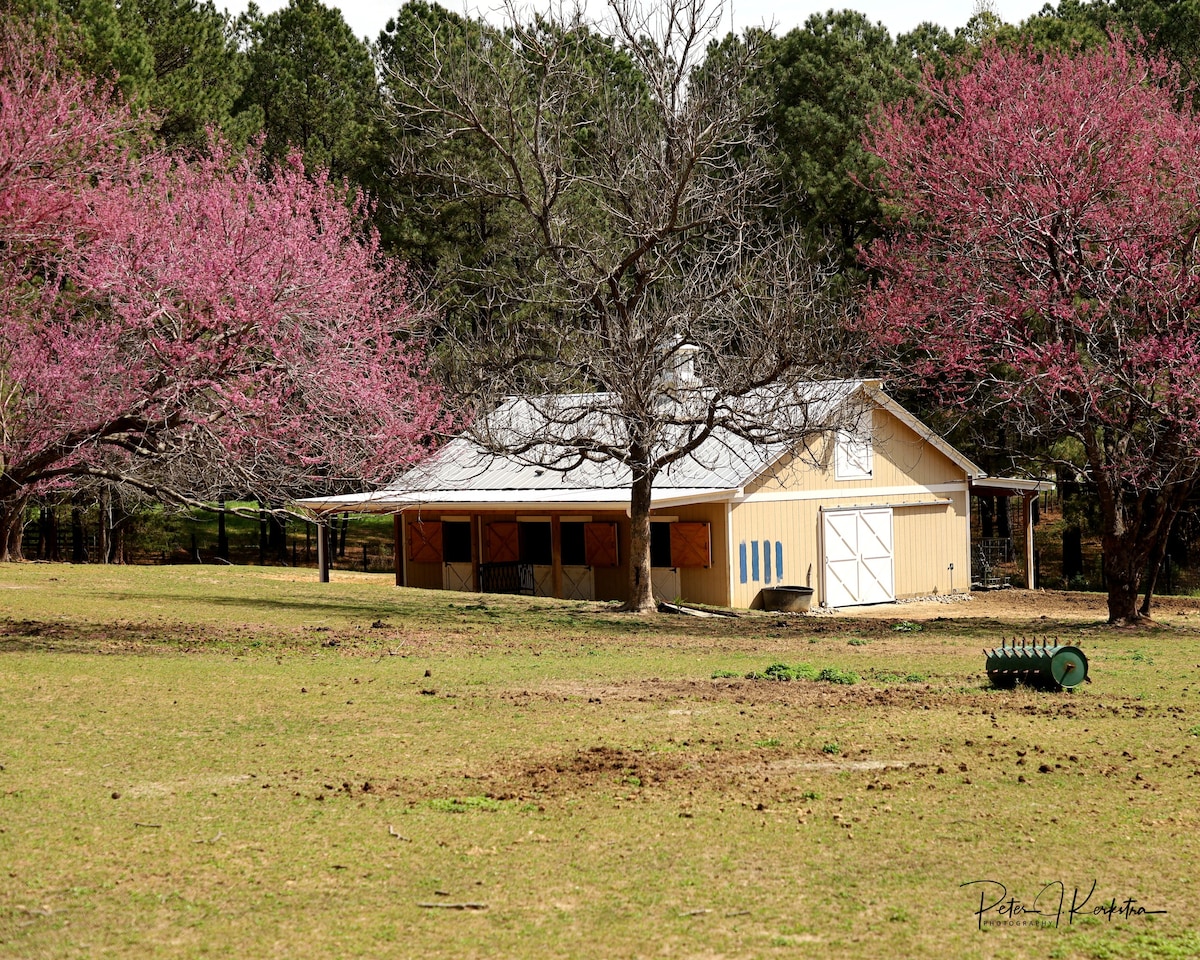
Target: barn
(861, 516)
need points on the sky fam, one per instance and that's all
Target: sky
(367, 17)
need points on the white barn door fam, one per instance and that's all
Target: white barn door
(859, 566)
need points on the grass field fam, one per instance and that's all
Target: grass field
(200, 761)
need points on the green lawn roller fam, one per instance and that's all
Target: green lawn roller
(1046, 666)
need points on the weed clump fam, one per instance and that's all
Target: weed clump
(834, 675)
(886, 676)
(784, 673)
(802, 671)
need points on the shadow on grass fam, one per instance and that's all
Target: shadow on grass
(31, 636)
(445, 608)
(309, 606)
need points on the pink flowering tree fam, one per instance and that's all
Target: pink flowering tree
(188, 328)
(1045, 265)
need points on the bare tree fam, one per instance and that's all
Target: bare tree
(648, 298)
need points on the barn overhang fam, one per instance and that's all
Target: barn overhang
(582, 499)
(1027, 490)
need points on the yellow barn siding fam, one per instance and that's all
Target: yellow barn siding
(796, 472)
(705, 584)
(901, 458)
(925, 541)
(792, 523)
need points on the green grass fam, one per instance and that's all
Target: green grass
(244, 762)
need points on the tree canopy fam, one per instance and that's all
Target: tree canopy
(627, 172)
(176, 60)
(1045, 265)
(313, 84)
(186, 326)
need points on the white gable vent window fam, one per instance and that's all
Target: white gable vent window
(854, 457)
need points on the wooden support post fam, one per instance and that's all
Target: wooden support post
(404, 547)
(556, 571)
(323, 550)
(1030, 570)
(476, 551)
(397, 547)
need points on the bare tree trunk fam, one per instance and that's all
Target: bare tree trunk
(1123, 582)
(1157, 555)
(12, 517)
(641, 589)
(262, 534)
(15, 533)
(1072, 554)
(1123, 564)
(277, 539)
(50, 533)
(1121, 569)
(1177, 497)
(118, 520)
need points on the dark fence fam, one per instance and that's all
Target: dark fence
(506, 578)
(89, 534)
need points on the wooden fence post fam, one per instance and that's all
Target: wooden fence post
(323, 550)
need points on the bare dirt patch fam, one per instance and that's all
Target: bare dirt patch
(708, 762)
(632, 774)
(30, 635)
(1028, 605)
(809, 696)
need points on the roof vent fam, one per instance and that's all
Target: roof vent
(682, 370)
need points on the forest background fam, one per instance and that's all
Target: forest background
(298, 80)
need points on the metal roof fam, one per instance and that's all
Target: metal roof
(616, 498)
(463, 475)
(724, 459)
